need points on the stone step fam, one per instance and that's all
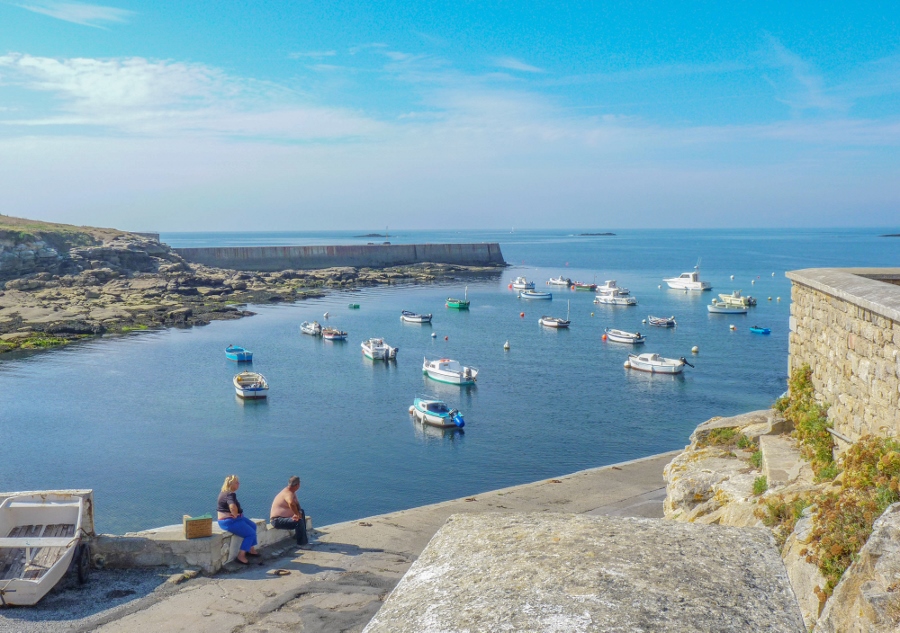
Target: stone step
(781, 461)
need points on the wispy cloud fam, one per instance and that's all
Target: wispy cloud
(312, 54)
(511, 63)
(805, 88)
(94, 15)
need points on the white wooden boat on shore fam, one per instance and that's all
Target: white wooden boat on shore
(609, 286)
(689, 281)
(614, 300)
(520, 283)
(377, 349)
(720, 307)
(621, 336)
(449, 371)
(413, 317)
(656, 364)
(41, 536)
(312, 328)
(251, 385)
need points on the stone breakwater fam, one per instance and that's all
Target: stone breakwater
(117, 282)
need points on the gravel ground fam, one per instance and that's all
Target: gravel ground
(108, 594)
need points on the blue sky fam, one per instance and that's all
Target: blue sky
(291, 115)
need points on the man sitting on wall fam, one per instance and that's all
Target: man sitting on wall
(286, 512)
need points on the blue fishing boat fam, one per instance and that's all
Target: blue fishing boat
(436, 413)
(238, 354)
(760, 330)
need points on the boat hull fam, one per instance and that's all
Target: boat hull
(250, 386)
(553, 322)
(661, 321)
(698, 286)
(456, 304)
(57, 518)
(451, 419)
(536, 295)
(238, 354)
(615, 301)
(635, 362)
(415, 318)
(713, 309)
(618, 336)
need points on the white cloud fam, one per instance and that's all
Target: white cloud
(80, 13)
(511, 63)
(312, 54)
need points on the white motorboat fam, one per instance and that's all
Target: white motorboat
(377, 349)
(333, 334)
(737, 299)
(41, 536)
(520, 283)
(720, 307)
(251, 385)
(556, 322)
(312, 328)
(609, 286)
(534, 294)
(615, 300)
(661, 321)
(689, 281)
(656, 364)
(560, 281)
(413, 317)
(449, 371)
(621, 336)
(435, 412)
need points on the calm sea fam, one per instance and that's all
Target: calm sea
(150, 420)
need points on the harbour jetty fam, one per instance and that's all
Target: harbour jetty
(272, 258)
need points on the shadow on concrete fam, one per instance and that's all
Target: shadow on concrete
(345, 549)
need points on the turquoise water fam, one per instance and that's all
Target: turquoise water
(151, 423)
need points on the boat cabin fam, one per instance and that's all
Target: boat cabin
(437, 407)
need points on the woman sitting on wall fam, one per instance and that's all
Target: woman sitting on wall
(232, 519)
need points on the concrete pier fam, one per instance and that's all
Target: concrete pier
(274, 258)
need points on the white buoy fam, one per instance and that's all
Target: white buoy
(773, 274)
(325, 315)
(506, 346)
(777, 298)
(770, 298)
(434, 335)
(659, 286)
(752, 281)
(627, 365)
(731, 327)
(695, 350)
(643, 320)
(411, 409)
(592, 314)
(732, 276)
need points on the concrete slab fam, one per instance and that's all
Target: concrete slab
(571, 573)
(781, 461)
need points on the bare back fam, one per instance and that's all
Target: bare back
(283, 505)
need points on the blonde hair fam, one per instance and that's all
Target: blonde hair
(229, 481)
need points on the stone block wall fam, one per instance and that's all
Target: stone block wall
(845, 323)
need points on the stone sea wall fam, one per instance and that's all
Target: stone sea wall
(272, 258)
(845, 324)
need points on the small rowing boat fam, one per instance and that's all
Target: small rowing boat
(534, 294)
(656, 364)
(250, 385)
(584, 287)
(413, 317)
(661, 321)
(333, 334)
(720, 307)
(755, 329)
(459, 304)
(621, 336)
(238, 354)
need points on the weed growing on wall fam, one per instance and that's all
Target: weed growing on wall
(810, 423)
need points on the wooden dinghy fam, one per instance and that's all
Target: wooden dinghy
(41, 537)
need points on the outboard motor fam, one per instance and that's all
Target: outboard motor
(684, 360)
(457, 418)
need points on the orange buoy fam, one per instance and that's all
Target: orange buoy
(509, 286)
(522, 314)
(603, 337)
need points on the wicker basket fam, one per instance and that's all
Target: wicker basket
(197, 527)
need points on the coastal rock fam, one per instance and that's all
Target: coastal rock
(806, 579)
(867, 599)
(699, 483)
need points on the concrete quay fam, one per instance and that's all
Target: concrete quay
(339, 581)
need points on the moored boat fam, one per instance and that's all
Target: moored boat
(613, 299)
(238, 354)
(560, 281)
(312, 328)
(520, 283)
(333, 334)
(755, 329)
(436, 413)
(413, 317)
(661, 321)
(584, 286)
(656, 364)
(534, 294)
(689, 281)
(621, 336)
(449, 371)
(377, 349)
(737, 299)
(556, 322)
(41, 537)
(459, 304)
(251, 385)
(610, 286)
(720, 307)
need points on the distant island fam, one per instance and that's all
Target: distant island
(891, 235)
(372, 235)
(593, 234)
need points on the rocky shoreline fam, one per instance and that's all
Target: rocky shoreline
(62, 285)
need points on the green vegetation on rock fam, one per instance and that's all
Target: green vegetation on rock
(810, 422)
